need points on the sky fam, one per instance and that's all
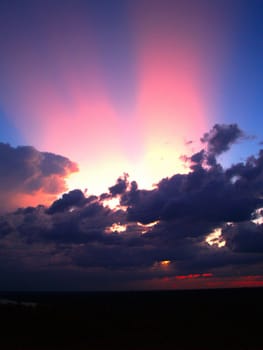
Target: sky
(130, 137)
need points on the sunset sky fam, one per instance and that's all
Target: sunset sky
(130, 137)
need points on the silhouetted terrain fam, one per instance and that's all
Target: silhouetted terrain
(204, 319)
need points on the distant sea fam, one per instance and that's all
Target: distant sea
(135, 320)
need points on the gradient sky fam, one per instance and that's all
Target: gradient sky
(124, 86)
(120, 82)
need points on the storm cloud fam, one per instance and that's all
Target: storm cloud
(151, 234)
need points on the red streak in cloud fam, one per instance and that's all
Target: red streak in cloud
(205, 280)
(190, 281)
(191, 276)
(236, 282)
(207, 274)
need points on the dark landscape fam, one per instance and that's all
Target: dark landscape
(189, 319)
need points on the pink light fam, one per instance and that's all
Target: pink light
(61, 102)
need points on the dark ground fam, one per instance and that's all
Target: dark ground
(207, 319)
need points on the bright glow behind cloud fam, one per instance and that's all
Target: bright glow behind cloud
(61, 101)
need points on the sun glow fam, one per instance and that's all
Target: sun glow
(215, 238)
(116, 227)
(113, 204)
(74, 112)
(147, 227)
(258, 216)
(165, 262)
(162, 265)
(150, 167)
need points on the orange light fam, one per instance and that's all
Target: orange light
(116, 227)
(215, 238)
(147, 227)
(165, 262)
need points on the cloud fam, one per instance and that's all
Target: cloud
(69, 200)
(120, 186)
(206, 195)
(221, 137)
(245, 237)
(28, 176)
(77, 233)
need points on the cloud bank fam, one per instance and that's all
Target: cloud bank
(28, 176)
(200, 229)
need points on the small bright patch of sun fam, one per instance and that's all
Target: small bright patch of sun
(165, 262)
(116, 227)
(113, 204)
(215, 238)
(258, 216)
(147, 227)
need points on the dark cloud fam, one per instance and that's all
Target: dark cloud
(120, 186)
(221, 137)
(206, 195)
(248, 175)
(245, 237)
(170, 222)
(26, 172)
(145, 206)
(74, 198)
(5, 227)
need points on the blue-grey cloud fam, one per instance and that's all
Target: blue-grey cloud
(26, 171)
(80, 233)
